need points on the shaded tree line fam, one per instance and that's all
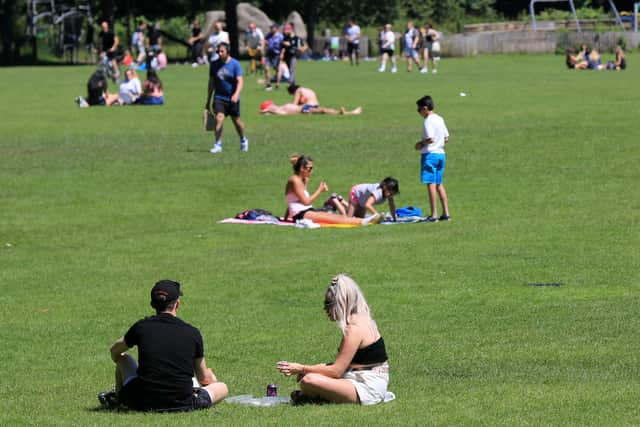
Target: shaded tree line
(332, 12)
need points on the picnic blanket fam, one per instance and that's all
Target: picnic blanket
(307, 223)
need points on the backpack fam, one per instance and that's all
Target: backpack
(406, 211)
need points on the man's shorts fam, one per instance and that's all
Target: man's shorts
(387, 51)
(306, 108)
(228, 108)
(133, 397)
(353, 47)
(410, 52)
(273, 61)
(432, 168)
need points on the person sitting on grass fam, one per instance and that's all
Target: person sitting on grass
(360, 373)
(308, 99)
(575, 61)
(620, 62)
(152, 92)
(300, 203)
(363, 197)
(97, 94)
(171, 353)
(130, 88)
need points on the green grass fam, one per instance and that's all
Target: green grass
(542, 176)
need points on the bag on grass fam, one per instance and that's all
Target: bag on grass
(209, 121)
(406, 211)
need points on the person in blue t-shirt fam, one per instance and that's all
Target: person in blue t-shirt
(225, 79)
(273, 44)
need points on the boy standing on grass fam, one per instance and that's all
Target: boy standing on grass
(434, 136)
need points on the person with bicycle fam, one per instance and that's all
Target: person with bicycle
(109, 46)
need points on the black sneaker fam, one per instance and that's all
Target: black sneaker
(444, 218)
(109, 399)
(429, 219)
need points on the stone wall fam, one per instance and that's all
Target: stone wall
(531, 42)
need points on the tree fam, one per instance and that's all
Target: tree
(7, 29)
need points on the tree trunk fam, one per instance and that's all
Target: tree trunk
(231, 17)
(311, 16)
(108, 12)
(7, 26)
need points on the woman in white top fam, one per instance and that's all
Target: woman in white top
(130, 88)
(360, 373)
(300, 203)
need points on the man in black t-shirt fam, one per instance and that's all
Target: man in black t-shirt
(109, 46)
(171, 353)
(291, 45)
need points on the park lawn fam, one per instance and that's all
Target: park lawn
(98, 204)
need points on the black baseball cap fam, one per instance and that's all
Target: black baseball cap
(165, 290)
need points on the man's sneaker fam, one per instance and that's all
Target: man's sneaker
(108, 399)
(424, 71)
(434, 71)
(429, 219)
(268, 88)
(444, 218)
(244, 145)
(394, 70)
(381, 69)
(217, 148)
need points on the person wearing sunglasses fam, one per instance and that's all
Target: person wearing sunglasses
(300, 202)
(360, 372)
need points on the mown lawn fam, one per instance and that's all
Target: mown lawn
(542, 175)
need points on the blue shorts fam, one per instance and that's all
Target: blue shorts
(306, 108)
(410, 52)
(273, 60)
(432, 168)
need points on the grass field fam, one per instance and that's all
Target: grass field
(542, 174)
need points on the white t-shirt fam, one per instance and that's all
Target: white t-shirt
(363, 191)
(354, 31)
(435, 129)
(388, 40)
(214, 40)
(129, 91)
(409, 37)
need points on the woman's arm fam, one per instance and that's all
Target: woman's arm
(369, 205)
(298, 189)
(348, 347)
(392, 208)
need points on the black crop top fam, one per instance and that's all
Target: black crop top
(373, 353)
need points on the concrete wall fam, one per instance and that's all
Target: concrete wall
(531, 42)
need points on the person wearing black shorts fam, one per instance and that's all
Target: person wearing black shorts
(226, 81)
(171, 353)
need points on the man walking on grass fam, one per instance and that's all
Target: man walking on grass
(171, 353)
(225, 79)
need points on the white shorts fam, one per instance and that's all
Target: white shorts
(371, 385)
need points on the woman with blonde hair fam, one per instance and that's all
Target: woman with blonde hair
(300, 202)
(360, 373)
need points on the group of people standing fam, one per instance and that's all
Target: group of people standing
(171, 374)
(419, 45)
